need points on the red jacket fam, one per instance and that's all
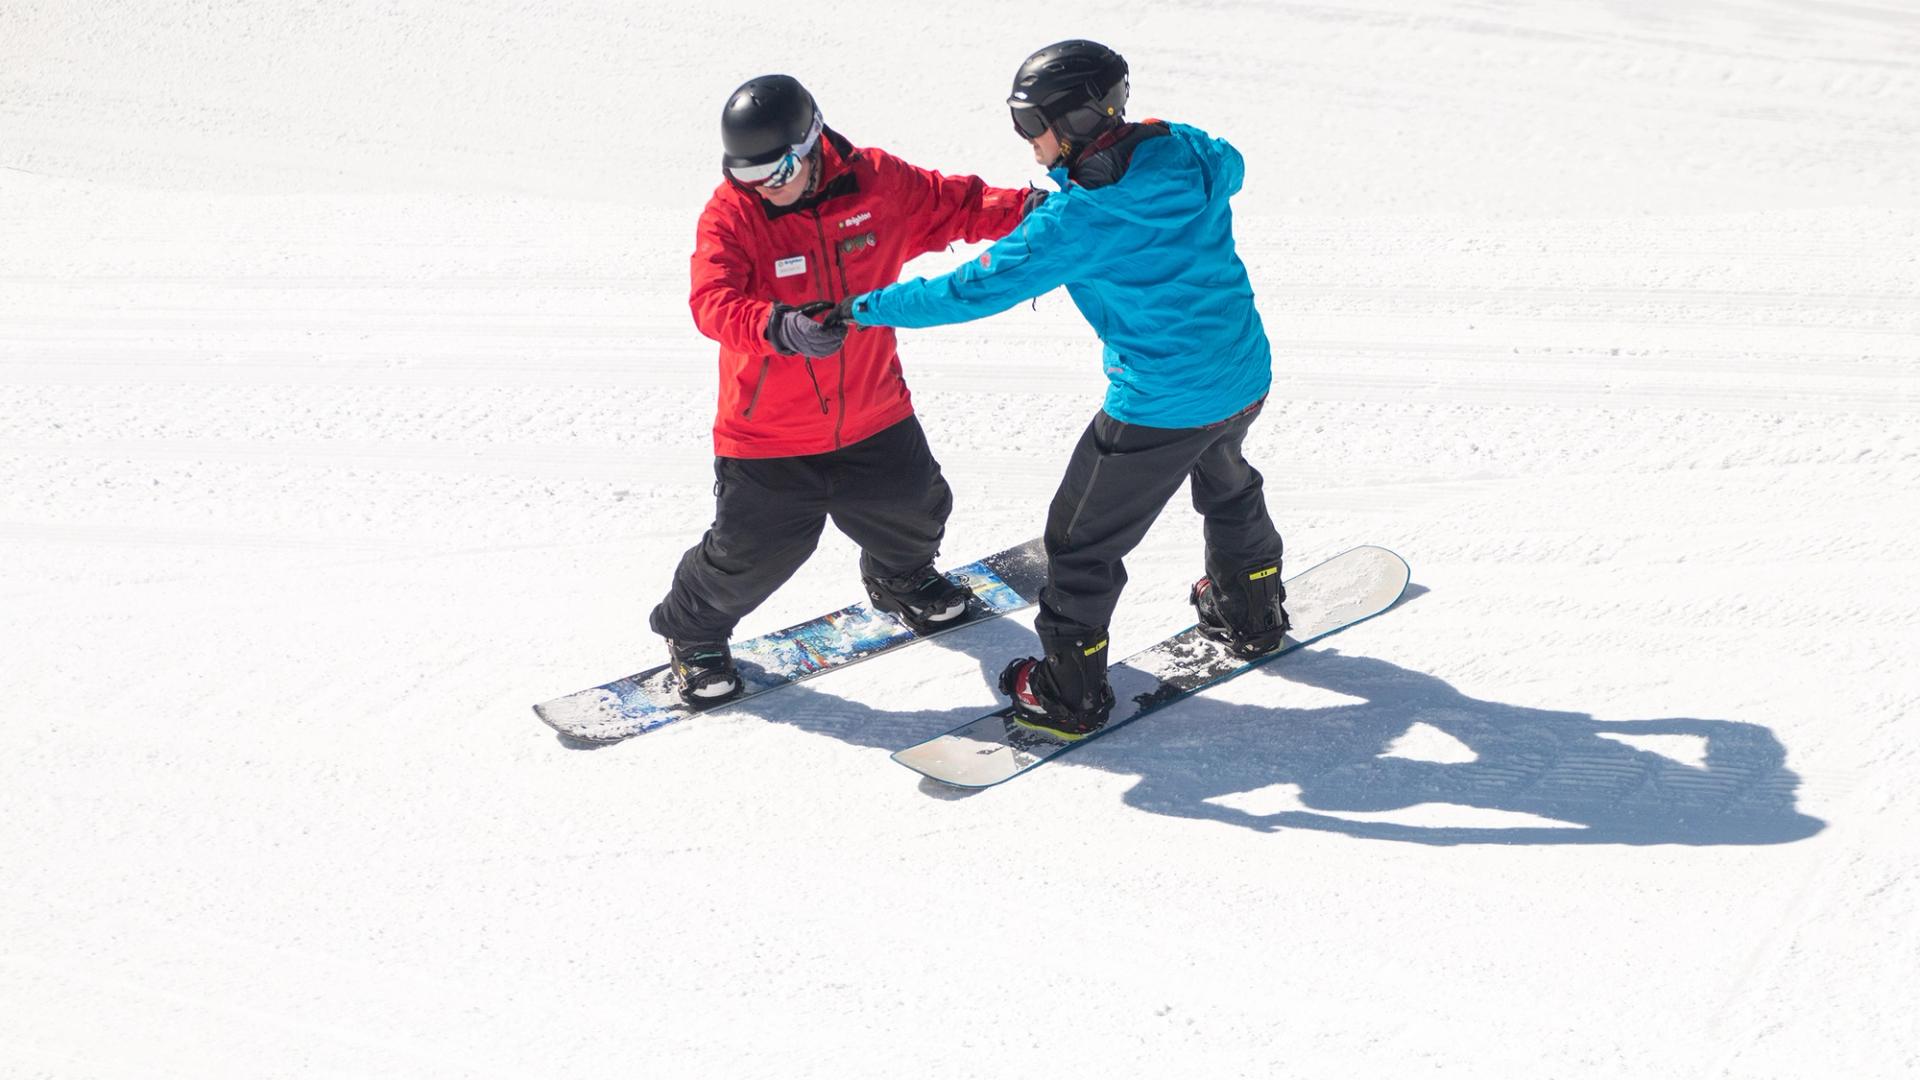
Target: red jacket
(871, 212)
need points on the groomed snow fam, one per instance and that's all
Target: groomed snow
(349, 405)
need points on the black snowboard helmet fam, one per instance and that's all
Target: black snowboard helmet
(1077, 88)
(765, 120)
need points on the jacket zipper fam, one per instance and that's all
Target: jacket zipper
(823, 401)
(829, 254)
(840, 261)
(826, 275)
(765, 363)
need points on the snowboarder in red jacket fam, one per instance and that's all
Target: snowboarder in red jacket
(814, 421)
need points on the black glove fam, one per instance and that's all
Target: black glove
(793, 331)
(844, 314)
(1035, 196)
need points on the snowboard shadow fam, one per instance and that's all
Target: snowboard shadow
(1391, 754)
(807, 707)
(1405, 756)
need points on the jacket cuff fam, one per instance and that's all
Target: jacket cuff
(774, 308)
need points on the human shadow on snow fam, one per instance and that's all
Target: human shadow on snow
(1565, 767)
(1199, 757)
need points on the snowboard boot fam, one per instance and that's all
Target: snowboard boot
(1249, 616)
(1064, 694)
(925, 599)
(703, 672)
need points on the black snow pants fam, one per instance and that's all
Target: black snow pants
(885, 492)
(1118, 480)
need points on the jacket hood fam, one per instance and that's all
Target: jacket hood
(1170, 181)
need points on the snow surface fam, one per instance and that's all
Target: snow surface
(349, 405)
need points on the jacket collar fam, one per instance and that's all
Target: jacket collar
(1106, 160)
(834, 177)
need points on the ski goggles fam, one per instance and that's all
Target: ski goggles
(1028, 120)
(779, 172)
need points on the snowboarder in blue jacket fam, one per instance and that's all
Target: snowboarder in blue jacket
(1141, 235)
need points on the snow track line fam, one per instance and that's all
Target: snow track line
(685, 464)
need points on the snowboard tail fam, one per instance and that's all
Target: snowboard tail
(1003, 582)
(1346, 589)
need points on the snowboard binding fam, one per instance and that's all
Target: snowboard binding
(703, 672)
(925, 600)
(1066, 693)
(1250, 624)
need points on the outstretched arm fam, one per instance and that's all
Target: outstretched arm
(1033, 260)
(950, 209)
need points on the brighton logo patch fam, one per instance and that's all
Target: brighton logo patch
(791, 266)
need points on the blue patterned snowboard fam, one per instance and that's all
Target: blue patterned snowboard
(1348, 588)
(1001, 583)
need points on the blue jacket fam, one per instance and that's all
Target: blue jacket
(1149, 260)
